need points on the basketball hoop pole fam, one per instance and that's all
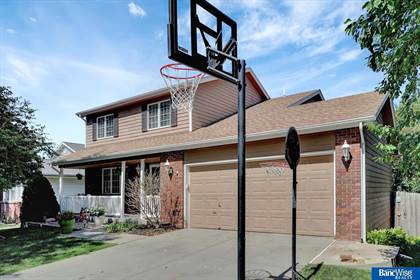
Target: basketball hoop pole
(241, 168)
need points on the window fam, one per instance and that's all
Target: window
(111, 180)
(159, 114)
(105, 126)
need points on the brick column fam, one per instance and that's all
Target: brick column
(348, 207)
(172, 189)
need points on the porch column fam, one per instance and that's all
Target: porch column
(60, 185)
(142, 168)
(122, 188)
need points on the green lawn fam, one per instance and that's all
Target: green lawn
(331, 272)
(26, 248)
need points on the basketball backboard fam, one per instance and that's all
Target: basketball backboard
(202, 37)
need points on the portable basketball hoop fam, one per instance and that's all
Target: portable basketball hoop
(182, 82)
(272, 169)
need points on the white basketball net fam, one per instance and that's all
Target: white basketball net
(182, 82)
(272, 169)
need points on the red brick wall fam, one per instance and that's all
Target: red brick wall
(348, 207)
(10, 212)
(172, 190)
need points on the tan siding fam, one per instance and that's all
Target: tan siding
(378, 186)
(213, 197)
(217, 100)
(129, 126)
(273, 147)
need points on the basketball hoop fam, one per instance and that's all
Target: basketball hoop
(272, 168)
(182, 82)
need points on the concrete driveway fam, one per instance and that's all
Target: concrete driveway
(184, 254)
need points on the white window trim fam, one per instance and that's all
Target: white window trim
(110, 178)
(170, 115)
(97, 127)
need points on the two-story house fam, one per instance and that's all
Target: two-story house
(128, 137)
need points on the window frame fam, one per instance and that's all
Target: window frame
(105, 126)
(159, 115)
(110, 179)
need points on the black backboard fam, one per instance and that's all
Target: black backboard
(202, 37)
(292, 152)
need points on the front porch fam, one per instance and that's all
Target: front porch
(105, 186)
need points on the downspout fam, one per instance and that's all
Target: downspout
(362, 183)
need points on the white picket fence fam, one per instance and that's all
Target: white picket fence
(74, 203)
(407, 212)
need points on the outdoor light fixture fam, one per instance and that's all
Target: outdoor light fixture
(169, 169)
(346, 158)
(79, 176)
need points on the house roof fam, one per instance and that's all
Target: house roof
(74, 146)
(268, 119)
(164, 92)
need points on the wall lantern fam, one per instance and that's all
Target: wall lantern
(79, 176)
(169, 169)
(346, 154)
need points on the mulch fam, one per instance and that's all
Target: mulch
(151, 231)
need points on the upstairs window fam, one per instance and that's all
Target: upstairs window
(105, 126)
(159, 114)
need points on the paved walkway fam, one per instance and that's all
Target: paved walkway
(184, 254)
(99, 234)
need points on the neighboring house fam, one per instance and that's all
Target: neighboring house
(73, 179)
(73, 183)
(126, 138)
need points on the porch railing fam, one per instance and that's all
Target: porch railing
(73, 203)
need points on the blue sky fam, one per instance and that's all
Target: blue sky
(66, 56)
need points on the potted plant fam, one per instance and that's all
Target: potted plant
(66, 221)
(98, 214)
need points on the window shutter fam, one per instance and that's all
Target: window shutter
(144, 118)
(94, 129)
(174, 117)
(116, 122)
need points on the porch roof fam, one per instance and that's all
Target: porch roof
(266, 120)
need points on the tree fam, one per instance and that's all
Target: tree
(22, 142)
(143, 198)
(38, 200)
(390, 31)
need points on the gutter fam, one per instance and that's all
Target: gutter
(362, 184)
(219, 141)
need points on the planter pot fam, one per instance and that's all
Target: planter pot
(99, 221)
(67, 226)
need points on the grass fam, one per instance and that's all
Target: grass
(8, 226)
(331, 272)
(26, 248)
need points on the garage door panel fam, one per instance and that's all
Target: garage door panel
(268, 197)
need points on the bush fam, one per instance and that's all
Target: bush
(65, 216)
(409, 245)
(97, 211)
(125, 226)
(38, 200)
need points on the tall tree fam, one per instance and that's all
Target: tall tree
(22, 142)
(389, 30)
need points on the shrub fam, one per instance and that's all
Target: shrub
(97, 211)
(65, 216)
(38, 200)
(409, 245)
(125, 226)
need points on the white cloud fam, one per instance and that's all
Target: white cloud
(33, 19)
(316, 26)
(25, 72)
(348, 55)
(10, 31)
(136, 10)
